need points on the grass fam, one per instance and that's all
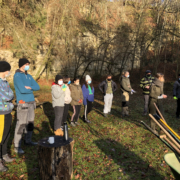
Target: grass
(109, 148)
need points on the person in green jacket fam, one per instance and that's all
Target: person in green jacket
(145, 84)
(125, 89)
(156, 96)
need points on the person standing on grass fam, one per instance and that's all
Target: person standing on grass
(67, 97)
(107, 87)
(145, 84)
(176, 95)
(24, 86)
(156, 96)
(6, 107)
(126, 89)
(88, 94)
(58, 102)
(77, 101)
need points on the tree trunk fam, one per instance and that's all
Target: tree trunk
(56, 160)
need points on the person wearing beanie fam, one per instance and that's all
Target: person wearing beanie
(176, 95)
(24, 85)
(58, 102)
(107, 87)
(88, 94)
(6, 107)
(145, 84)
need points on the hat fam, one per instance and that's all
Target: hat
(4, 66)
(87, 77)
(148, 71)
(58, 77)
(22, 62)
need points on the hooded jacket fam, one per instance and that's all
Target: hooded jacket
(156, 90)
(21, 80)
(76, 94)
(6, 95)
(57, 95)
(176, 89)
(86, 95)
(125, 84)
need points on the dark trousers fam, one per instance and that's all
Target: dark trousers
(5, 132)
(58, 117)
(152, 109)
(65, 114)
(76, 112)
(178, 107)
(125, 103)
(146, 103)
(87, 109)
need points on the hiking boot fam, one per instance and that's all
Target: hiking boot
(62, 128)
(87, 121)
(7, 159)
(76, 123)
(2, 167)
(18, 150)
(30, 143)
(73, 124)
(105, 114)
(126, 111)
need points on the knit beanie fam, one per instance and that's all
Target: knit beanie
(22, 62)
(58, 77)
(4, 66)
(148, 71)
(87, 77)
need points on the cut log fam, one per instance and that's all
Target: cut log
(56, 160)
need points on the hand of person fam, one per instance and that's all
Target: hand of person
(27, 87)
(164, 96)
(175, 98)
(147, 87)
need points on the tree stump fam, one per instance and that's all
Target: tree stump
(56, 160)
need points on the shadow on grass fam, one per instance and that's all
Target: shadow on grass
(130, 164)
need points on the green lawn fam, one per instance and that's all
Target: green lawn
(109, 148)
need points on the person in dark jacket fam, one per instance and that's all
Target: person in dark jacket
(88, 94)
(145, 84)
(107, 87)
(125, 89)
(176, 95)
(6, 107)
(156, 96)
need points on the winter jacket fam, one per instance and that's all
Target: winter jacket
(67, 97)
(6, 95)
(146, 81)
(21, 80)
(76, 94)
(58, 95)
(156, 90)
(104, 85)
(176, 89)
(86, 95)
(125, 84)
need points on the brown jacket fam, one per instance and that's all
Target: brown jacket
(76, 94)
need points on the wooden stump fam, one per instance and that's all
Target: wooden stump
(56, 160)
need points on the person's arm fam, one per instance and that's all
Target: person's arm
(115, 87)
(35, 85)
(21, 87)
(56, 92)
(81, 94)
(174, 89)
(100, 86)
(125, 87)
(153, 92)
(142, 83)
(85, 95)
(7, 96)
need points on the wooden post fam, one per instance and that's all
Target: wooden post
(56, 160)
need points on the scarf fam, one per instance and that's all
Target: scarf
(90, 90)
(64, 87)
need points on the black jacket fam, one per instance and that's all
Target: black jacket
(103, 86)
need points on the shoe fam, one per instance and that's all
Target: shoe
(76, 123)
(7, 159)
(2, 167)
(87, 121)
(18, 150)
(73, 124)
(144, 114)
(105, 114)
(62, 128)
(30, 143)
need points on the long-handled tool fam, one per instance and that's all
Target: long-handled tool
(159, 111)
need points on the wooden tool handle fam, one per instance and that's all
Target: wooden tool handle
(159, 111)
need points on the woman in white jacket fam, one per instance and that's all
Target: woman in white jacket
(67, 98)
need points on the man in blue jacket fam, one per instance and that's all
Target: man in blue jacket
(24, 86)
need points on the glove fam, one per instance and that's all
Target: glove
(132, 91)
(175, 98)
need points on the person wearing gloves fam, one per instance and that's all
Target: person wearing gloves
(77, 101)
(6, 107)
(58, 102)
(156, 96)
(24, 86)
(67, 97)
(176, 95)
(145, 84)
(125, 89)
(88, 94)
(107, 87)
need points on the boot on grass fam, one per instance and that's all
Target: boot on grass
(7, 158)
(2, 167)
